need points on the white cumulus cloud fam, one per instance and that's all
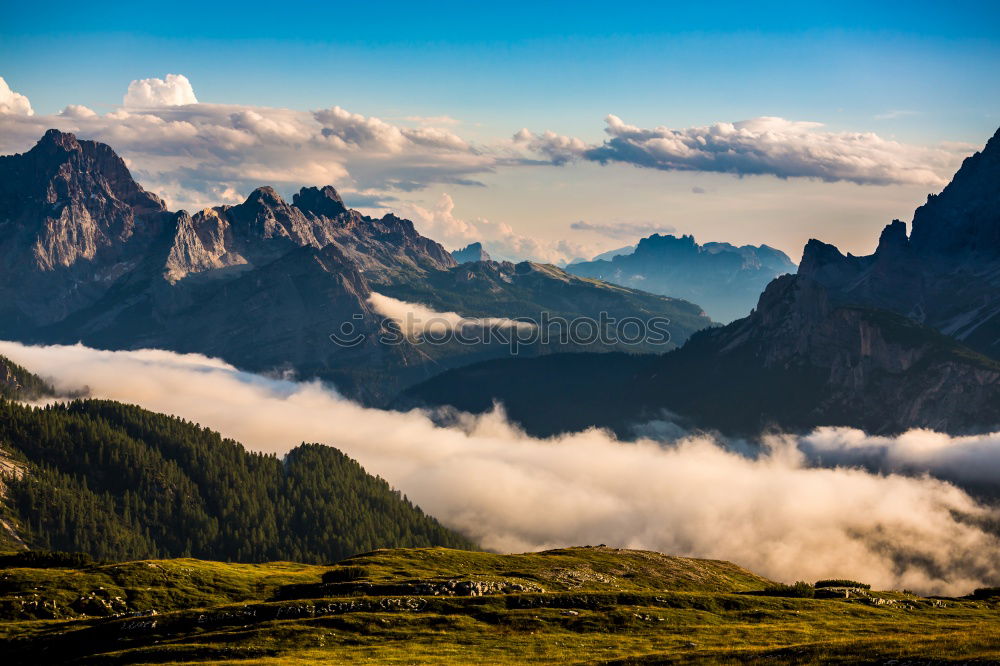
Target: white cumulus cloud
(77, 111)
(189, 153)
(759, 146)
(12, 102)
(174, 90)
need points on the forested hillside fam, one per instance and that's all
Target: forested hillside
(16, 382)
(120, 482)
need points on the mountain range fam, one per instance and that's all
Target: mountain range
(724, 279)
(86, 254)
(904, 338)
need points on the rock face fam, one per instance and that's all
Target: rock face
(471, 252)
(72, 221)
(946, 274)
(724, 279)
(87, 255)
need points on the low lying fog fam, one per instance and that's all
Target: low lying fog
(777, 514)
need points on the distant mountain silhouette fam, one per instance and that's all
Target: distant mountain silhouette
(724, 279)
(471, 252)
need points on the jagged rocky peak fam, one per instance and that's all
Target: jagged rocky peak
(816, 255)
(658, 242)
(60, 169)
(893, 239)
(266, 196)
(261, 203)
(95, 163)
(471, 252)
(322, 202)
(965, 217)
(54, 140)
(72, 201)
(266, 215)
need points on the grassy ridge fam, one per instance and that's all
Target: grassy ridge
(598, 605)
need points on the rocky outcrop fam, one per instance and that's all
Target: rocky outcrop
(426, 588)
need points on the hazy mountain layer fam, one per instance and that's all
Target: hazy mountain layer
(471, 252)
(724, 279)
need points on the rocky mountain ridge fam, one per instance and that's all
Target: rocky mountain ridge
(87, 255)
(946, 273)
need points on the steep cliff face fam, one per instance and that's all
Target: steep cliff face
(843, 365)
(946, 274)
(72, 217)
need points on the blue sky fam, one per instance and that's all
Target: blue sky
(919, 73)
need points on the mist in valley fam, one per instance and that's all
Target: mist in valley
(831, 503)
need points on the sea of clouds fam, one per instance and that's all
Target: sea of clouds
(776, 506)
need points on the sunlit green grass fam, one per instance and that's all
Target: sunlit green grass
(599, 605)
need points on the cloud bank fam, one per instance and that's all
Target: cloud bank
(971, 460)
(196, 154)
(626, 230)
(500, 240)
(773, 513)
(759, 146)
